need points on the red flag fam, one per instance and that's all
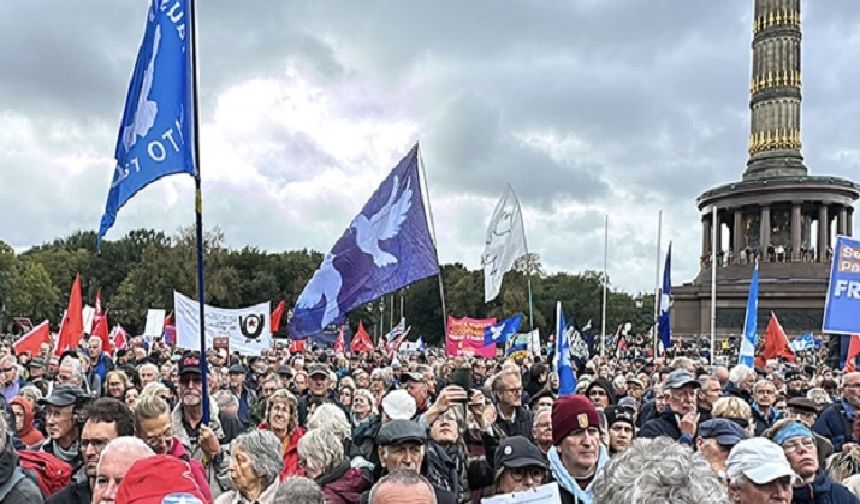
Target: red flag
(361, 342)
(30, 342)
(338, 343)
(775, 344)
(72, 327)
(99, 302)
(853, 351)
(297, 346)
(100, 329)
(277, 314)
(119, 337)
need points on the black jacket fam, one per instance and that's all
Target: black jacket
(521, 426)
(305, 401)
(664, 425)
(78, 492)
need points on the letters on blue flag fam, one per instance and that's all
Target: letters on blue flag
(156, 134)
(803, 342)
(843, 293)
(385, 248)
(749, 337)
(665, 329)
(500, 332)
(566, 377)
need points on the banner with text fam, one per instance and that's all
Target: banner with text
(842, 306)
(248, 328)
(466, 337)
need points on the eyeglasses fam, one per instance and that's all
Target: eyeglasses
(158, 439)
(544, 425)
(520, 473)
(516, 390)
(792, 446)
(597, 392)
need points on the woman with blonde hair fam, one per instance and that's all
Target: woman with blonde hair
(735, 409)
(282, 419)
(115, 384)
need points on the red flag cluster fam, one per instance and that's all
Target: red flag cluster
(775, 344)
(361, 342)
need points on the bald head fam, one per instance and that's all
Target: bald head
(721, 373)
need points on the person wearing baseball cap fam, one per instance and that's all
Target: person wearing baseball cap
(621, 427)
(247, 397)
(319, 392)
(518, 465)
(577, 454)
(715, 439)
(758, 473)
(680, 420)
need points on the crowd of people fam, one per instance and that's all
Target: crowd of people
(134, 426)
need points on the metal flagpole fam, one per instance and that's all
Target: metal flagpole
(657, 289)
(531, 306)
(435, 246)
(603, 317)
(714, 225)
(198, 211)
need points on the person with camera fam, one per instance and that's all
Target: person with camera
(64, 421)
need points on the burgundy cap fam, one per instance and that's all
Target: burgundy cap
(570, 413)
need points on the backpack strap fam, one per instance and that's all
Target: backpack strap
(5, 488)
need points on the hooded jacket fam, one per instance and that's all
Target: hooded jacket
(568, 488)
(343, 485)
(605, 385)
(823, 490)
(29, 436)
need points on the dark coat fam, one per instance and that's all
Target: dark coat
(833, 424)
(823, 491)
(762, 423)
(521, 426)
(731, 390)
(304, 403)
(664, 425)
(78, 492)
(25, 491)
(343, 485)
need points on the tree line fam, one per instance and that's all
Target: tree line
(142, 269)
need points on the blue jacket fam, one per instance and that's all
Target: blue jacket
(834, 424)
(664, 425)
(823, 491)
(762, 423)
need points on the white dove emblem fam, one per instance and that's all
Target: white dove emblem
(146, 109)
(383, 225)
(496, 332)
(325, 282)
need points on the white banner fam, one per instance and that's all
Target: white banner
(249, 328)
(154, 323)
(506, 242)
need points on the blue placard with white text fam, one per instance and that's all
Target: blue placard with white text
(842, 307)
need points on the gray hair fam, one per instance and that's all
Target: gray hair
(381, 374)
(542, 409)
(762, 383)
(153, 389)
(406, 477)
(819, 396)
(321, 450)
(740, 373)
(149, 408)
(298, 490)
(264, 450)
(128, 445)
(226, 399)
(367, 395)
(331, 418)
(32, 391)
(148, 365)
(660, 471)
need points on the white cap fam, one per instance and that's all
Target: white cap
(760, 460)
(399, 405)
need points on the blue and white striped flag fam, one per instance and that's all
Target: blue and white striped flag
(749, 340)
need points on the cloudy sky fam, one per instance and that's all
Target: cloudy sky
(587, 107)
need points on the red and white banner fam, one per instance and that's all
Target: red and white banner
(465, 336)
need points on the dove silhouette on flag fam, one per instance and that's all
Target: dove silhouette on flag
(386, 247)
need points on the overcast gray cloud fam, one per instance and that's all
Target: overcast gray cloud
(586, 107)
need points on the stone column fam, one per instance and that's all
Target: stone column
(796, 222)
(740, 239)
(706, 235)
(764, 231)
(849, 224)
(823, 232)
(842, 221)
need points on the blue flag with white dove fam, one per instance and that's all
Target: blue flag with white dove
(501, 331)
(749, 337)
(156, 135)
(803, 342)
(566, 376)
(385, 248)
(664, 327)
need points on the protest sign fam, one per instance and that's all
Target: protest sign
(248, 329)
(843, 294)
(465, 336)
(544, 494)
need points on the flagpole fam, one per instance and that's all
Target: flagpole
(531, 306)
(657, 293)
(198, 213)
(714, 225)
(605, 256)
(435, 246)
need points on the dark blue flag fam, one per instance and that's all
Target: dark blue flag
(156, 133)
(501, 331)
(386, 247)
(663, 325)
